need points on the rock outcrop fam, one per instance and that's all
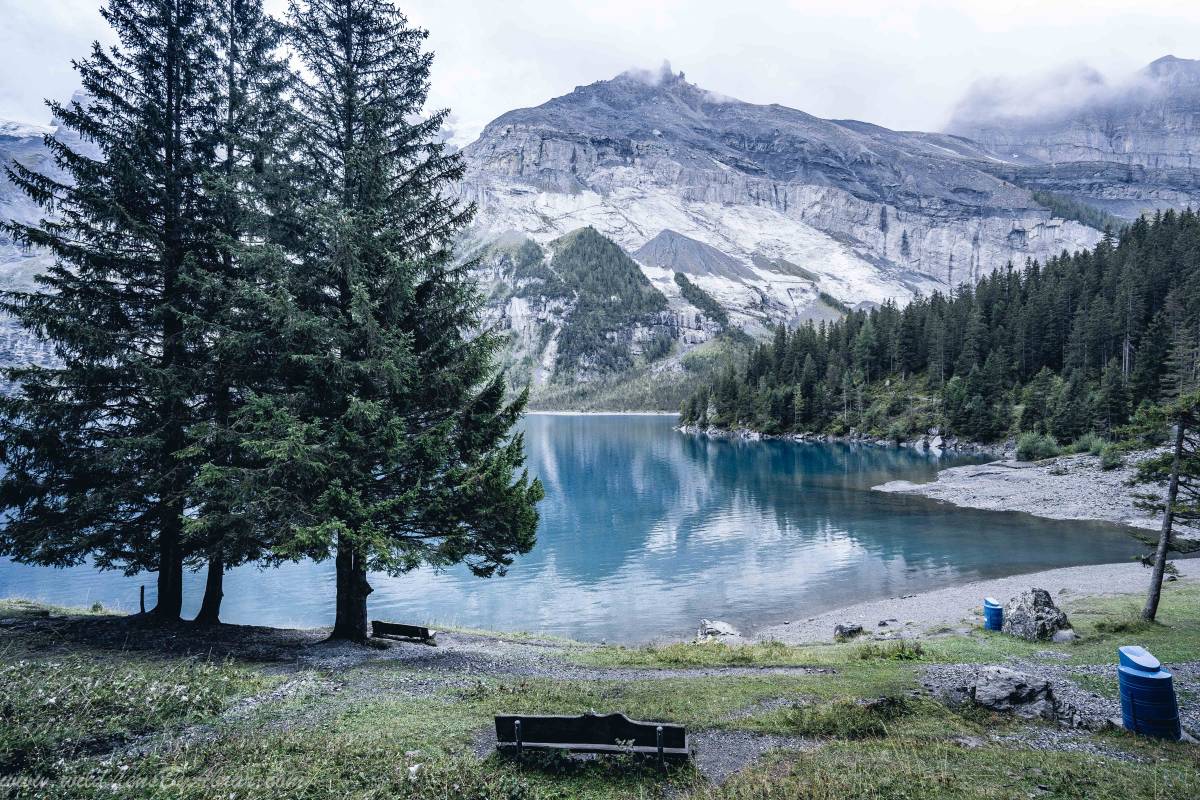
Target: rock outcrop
(1006, 690)
(1032, 615)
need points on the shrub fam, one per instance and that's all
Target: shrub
(848, 719)
(1036, 446)
(1111, 457)
(1088, 443)
(899, 650)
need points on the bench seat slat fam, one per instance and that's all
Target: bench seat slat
(382, 629)
(594, 748)
(590, 733)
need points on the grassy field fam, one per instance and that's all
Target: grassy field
(82, 721)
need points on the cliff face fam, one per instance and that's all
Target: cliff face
(1126, 148)
(871, 213)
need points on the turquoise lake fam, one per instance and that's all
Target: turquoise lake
(646, 530)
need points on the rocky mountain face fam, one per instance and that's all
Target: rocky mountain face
(23, 143)
(873, 213)
(633, 221)
(1127, 148)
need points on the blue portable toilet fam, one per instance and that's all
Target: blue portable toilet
(993, 614)
(1148, 704)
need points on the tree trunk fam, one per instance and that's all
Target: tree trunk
(1164, 538)
(170, 570)
(214, 590)
(350, 621)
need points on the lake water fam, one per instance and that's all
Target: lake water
(645, 530)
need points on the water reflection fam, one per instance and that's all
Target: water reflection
(644, 531)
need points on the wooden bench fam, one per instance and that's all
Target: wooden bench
(394, 630)
(605, 734)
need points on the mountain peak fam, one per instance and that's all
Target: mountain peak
(664, 76)
(1174, 71)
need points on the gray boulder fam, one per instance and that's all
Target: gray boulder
(1003, 689)
(845, 631)
(1033, 616)
(715, 630)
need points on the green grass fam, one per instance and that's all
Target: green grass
(908, 769)
(864, 730)
(60, 707)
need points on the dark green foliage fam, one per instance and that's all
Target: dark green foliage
(1156, 471)
(1036, 446)
(833, 302)
(265, 348)
(248, 190)
(702, 300)
(1076, 344)
(1070, 208)
(611, 295)
(96, 448)
(387, 442)
(532, 276)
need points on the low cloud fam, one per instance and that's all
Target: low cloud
(652, 77)
(1047, 97)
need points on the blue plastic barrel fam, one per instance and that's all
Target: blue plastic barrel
(993, 614)
(1148, 704)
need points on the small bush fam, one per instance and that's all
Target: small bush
(1088, 443)
(848, 719)
(1111, 457)
(899, 650)
(1037, 446)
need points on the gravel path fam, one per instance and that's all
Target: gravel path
(1070, 487)
(960, 607)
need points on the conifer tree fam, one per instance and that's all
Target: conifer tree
(94, 446)
(391, 440)
(1179, 469)
(247, 188)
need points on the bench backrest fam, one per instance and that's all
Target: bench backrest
(589, 729)
(380, 628)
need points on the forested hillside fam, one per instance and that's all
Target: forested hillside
(612, 295)
(1062, 349)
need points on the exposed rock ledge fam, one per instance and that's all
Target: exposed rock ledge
(1070, 487)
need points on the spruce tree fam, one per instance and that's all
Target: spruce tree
(248, 192)
(1179, 469)
(391, 442)
(94, 447)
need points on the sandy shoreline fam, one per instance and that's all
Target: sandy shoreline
(1071, 487)
(960, 607)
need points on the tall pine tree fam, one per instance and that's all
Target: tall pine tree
(95, 446)
(248, 195)
(391, 437)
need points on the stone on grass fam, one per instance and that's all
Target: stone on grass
(844, 631)
(711, 630)
(1032, 615)
(1064, 635)
(1003, 689)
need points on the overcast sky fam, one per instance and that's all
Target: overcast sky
(899, 63)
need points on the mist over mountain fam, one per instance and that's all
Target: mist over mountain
(1126, 147)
